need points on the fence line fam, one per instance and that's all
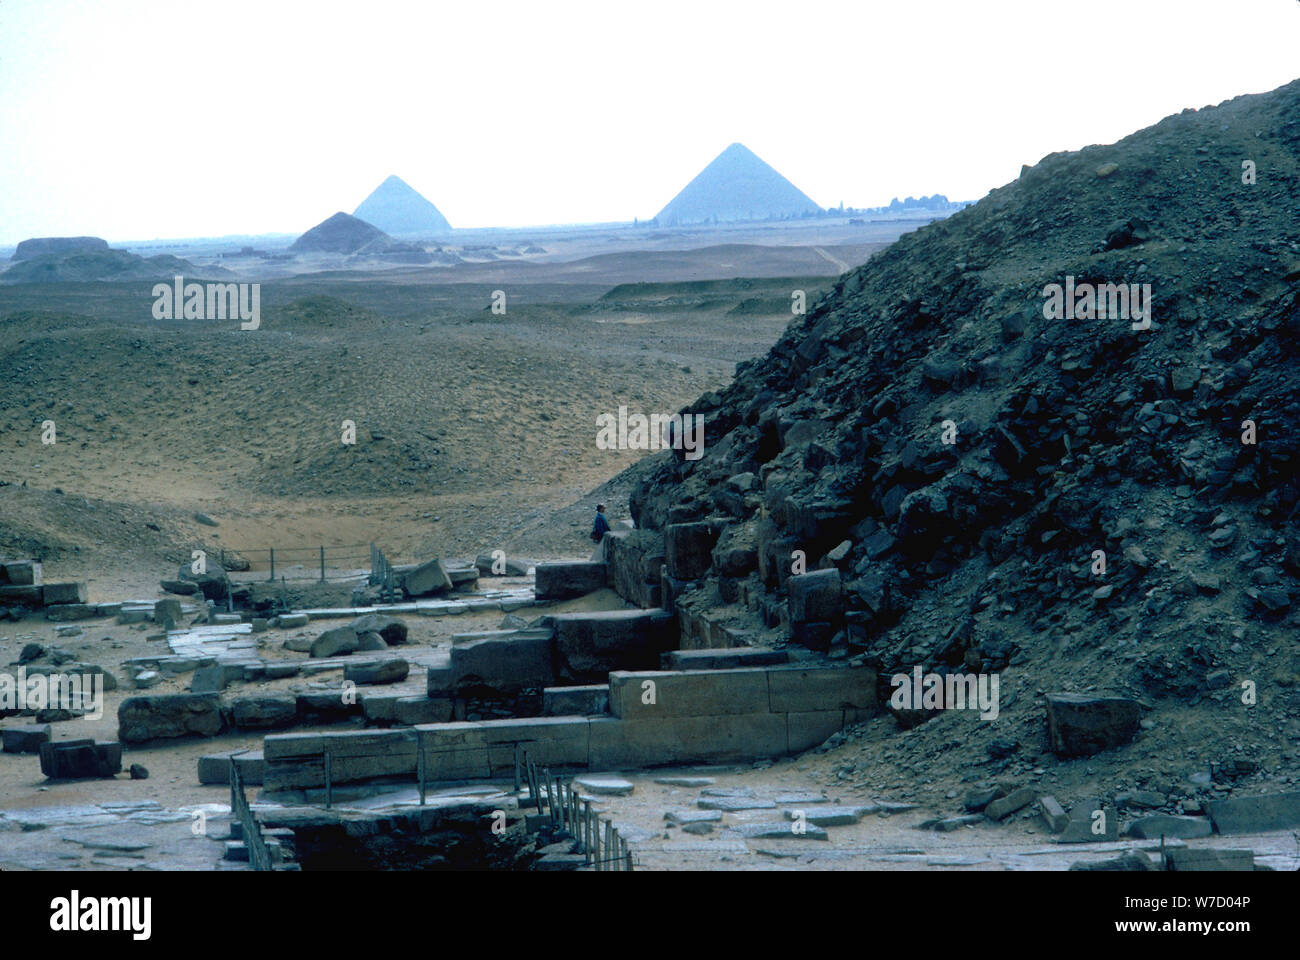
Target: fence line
(259, 856)
(321, 554)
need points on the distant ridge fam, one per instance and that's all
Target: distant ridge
(737, 185)
(395, 207)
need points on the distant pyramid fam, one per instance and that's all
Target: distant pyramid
(396, 208)
(339, 234)
(737, 185)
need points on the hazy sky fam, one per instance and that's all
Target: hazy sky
(138, 119)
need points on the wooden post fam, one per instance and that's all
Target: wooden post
(516, 767)
(586, 831)
(329, 782)
(627, 858)
(550, 797)
(419, 741)
(322, 564)
(272, 577)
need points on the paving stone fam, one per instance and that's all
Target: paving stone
(682, 817)
(826, 815)
(946, 824)
(684, 781)
(604, 786)
(778, 831)
(734, 803)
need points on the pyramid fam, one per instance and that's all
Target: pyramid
(395, 207)
(339, 234)
(737, 185)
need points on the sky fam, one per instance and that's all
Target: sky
(141, 119)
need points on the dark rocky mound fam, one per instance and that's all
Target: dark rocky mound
(395, 207)
(1071, 437)
(105, 266)
(47, 246)
(341, 233)
(737, 185)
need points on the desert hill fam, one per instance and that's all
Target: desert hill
(395, 207)
(1068, 436)
(94, 265)
(736, 185)
(46, 246)
(340, 233)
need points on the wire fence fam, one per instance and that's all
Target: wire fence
(597, 840)
(321, 558)
(259, 856)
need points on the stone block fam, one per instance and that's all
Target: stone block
(410, 711)
(619, 743)
(724, 659)
(1091, 821)
(696, 693)
(267, 712)
(797, 690)
(21, 572)
(816, 597)
(688, 548)
(1054, 815)
(163, 716)
(1277, 811)
(1198, 859)
(393, 670)
(486, 748)
(78, 759)
(1162, 825)
(811, 728)
(564, 581)
(64, 612)
(514, 661)
(588, 646)
(54, 593)
(582, 701)
(1079, 725)
(26, 594)
(1016, 800)
(25, 739)
(215, 768)
(425, 579)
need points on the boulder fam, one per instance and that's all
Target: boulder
(182, 587)
(167, 613)
(1079, 725)
(393, 630)
(164, 716)
(71, 611)
(335, 642)
(816, 597)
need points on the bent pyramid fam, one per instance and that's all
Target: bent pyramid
(339, 234)
(395, 207)
(737, 185)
